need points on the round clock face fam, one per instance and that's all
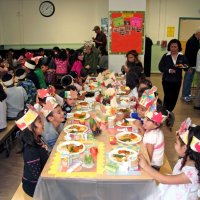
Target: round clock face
(47, 8)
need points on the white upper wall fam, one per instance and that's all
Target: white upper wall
(72, 22)
(161, 14)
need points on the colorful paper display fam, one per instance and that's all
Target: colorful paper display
(126, 31)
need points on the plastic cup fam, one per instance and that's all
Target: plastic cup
(111, 121)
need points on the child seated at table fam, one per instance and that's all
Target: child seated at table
(76, 80)
(3, 109)
(146, 102)
(69, 101)
(65, 81)
(184, 183)
(16, 97)
(53, 124)
(35, 152)
(27, 84)
(132, 81)
(153, 136)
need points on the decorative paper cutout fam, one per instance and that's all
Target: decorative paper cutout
(27, 119)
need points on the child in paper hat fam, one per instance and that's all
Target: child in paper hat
(153, 136)
(35, 152)
(53, 124)
(27, 84)
(69, 101)
(147, 102)
(16, 97)
(184, 183)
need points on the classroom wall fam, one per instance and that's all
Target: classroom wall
(72, 23)
(21, 24)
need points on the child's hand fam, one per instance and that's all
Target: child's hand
(87, 66)
(138, 123)
(142, 161)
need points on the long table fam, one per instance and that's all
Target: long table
(92, 186)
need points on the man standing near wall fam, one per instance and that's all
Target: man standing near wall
(100, 40)
(197, 97)
(192, 47)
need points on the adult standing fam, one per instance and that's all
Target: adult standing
(172, 73)
(192, 47)
(197, 97)
(100, 40)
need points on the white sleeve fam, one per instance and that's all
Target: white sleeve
(191, 174)
(150, 138)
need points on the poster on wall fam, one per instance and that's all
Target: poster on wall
(127, 31)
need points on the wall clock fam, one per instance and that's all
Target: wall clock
(47, 8)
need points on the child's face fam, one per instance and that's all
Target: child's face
(149, 124)
(141, 110)
(39, 126)
(58, 114)
(44, 68)
(71, 101)
(141, 86)
(80, 57)
(131, 58)
(179, 149)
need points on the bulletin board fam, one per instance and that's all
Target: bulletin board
(127, 31)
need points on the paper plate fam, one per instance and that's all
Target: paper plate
(83, 104)
(128, 137)
(62, 147)
(75, 128)
(80, 113)
(120, 155)
(122, 124)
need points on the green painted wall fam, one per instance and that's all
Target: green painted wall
(156, 55)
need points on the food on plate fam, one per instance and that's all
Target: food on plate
(76, 128)
(128, 137)
(80, 115)
(121, 155)
(124, 110)
(73, 148)
(83, 103)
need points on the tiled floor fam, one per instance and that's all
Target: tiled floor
(11, 168)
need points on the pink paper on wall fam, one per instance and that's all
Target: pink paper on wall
(136, 22)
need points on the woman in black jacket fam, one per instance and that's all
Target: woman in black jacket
(171, 65)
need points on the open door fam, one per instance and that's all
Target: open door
(187, 27)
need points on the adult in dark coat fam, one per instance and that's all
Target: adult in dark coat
(192, 47)
(171, 67)
(100, 40)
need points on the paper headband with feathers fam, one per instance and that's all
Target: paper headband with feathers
(184, 132)
(49, 106)
(148, 97)
(157, 117)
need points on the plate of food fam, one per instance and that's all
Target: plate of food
(124, 100)
(128, 137)
(81, 115)
(127, 122)
(121, 155)
(75, 128)
(73, 147)
(83, 104)
(123, 110)
(181, 66)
